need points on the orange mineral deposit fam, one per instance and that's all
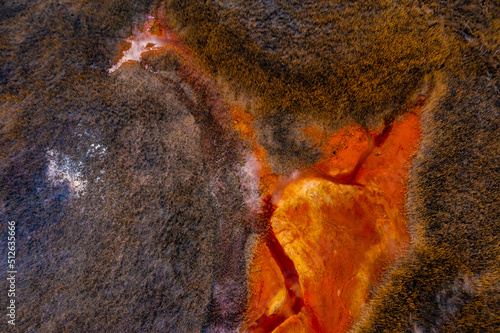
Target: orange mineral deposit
(333, 231)
(329, 230)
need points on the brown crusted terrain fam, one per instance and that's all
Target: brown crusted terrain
(450, 279)
(128, 190)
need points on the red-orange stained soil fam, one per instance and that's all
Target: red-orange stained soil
(340, 223)
(331, 229)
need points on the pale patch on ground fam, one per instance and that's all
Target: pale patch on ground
(141, 41)
(63, 169)
(250, 175)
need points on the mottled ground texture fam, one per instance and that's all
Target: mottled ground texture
(129, 195)
(108, 177)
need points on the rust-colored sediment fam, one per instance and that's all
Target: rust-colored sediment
(340, 223)
(330, 230)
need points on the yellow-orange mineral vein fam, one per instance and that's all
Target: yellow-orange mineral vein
(330, 230)
(341, 222)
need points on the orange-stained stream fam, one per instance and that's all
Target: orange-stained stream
(332, 229)
(339, 223)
